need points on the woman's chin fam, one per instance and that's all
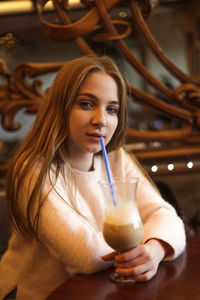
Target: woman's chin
(94, 149)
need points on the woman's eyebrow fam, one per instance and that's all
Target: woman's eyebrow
(114, 102)
(96, 98)
(88, 95)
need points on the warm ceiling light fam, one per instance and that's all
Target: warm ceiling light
(190, 164)
(170, 167)
(26, 6)
(154, 168)
(14, 7)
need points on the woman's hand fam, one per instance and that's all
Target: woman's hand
(140, 263)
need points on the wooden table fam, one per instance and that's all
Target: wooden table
(177, 280)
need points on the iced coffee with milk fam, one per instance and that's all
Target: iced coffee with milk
(122, 228)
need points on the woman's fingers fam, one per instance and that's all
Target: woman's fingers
(139, 273)
(135, 271)
(140, 263)
(145, 276)
(133, 263)
(109, 256)
(130, 254)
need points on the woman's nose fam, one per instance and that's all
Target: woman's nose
(99, 118)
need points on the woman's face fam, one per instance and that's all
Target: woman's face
(93, 114)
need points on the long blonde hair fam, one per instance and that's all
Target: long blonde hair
(46, 142)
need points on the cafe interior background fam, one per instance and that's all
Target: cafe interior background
(156, 44)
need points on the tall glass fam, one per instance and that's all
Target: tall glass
(122, 228)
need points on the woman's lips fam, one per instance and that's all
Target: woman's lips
(97, 135)
(94, 136)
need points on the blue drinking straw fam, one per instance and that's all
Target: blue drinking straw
(108, 171)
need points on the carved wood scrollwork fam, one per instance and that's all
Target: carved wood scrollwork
(183, 102)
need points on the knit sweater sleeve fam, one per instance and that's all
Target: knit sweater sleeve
(66, 235)
(158, 216)
(70, 238)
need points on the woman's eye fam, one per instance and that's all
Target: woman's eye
(86, 104)
(112, 110)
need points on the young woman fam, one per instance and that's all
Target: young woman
(53, 195)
